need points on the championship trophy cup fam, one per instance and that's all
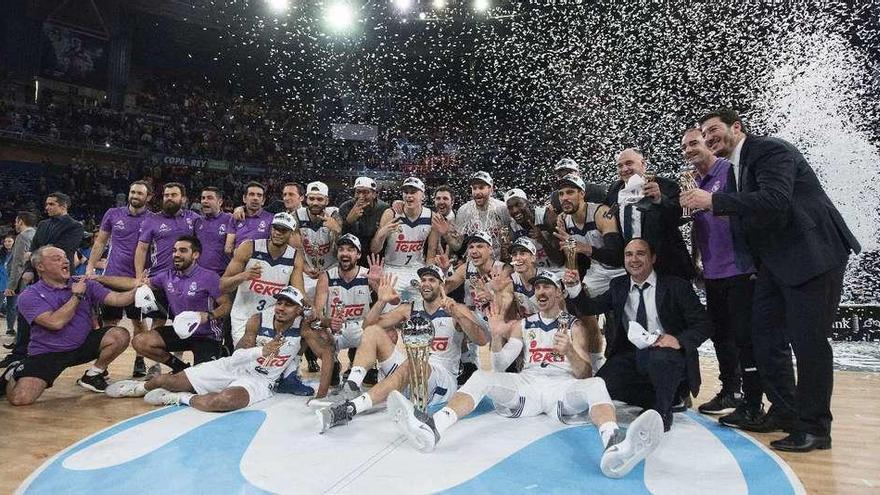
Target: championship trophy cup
(504, 239)
(417, 334)
(688, 181)
(570, 250)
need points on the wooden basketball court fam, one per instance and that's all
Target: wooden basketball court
(68, 413)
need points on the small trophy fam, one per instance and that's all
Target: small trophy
(417, 335)
(687, 181)
(563, 324)
(504, 240)
(570, 250)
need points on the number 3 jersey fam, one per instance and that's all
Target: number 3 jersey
(254, 296)
(275, 366)
(446, 345)
(538, 347)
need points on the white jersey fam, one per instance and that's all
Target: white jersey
(407, 246)
(316, 239)
(538, 347)
(354, 296)
(517, 231)
(599, 275)
(471, 273)
(256, 295)
(287, 353)
(446, 346)
(524, 296)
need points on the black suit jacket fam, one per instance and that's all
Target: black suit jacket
(790, 224)
(660, 224)
(62, 232)
(678, 308)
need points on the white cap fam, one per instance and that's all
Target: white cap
(572, 180)
(365, 183)
(414, 182)
(285, 220)
(515, 193)
(292, 294)
(349, 239)
(524, 243)
(640, 337)
(185, 323)
(480, 236)
(145, 300)
(547, 276)
(433, 270)
(567, 164)
(318, 187)
(483, 177)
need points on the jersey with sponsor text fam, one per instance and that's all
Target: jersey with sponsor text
(256, 295)
(406, 247)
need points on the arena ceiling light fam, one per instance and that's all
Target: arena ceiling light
(339, 15)
(438, 4)
(278, 6)
(402, 5)
(482, 5)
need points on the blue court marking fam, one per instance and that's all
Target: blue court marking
(762, 473)
(187, 464)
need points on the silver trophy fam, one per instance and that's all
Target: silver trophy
(417, 334)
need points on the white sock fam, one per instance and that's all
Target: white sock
(362, 403)
(357, 375)
(606, 431)
(444, 418)
(94, 370)
(184, 397)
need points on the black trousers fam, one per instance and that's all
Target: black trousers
(797, 318)
(729, 304)
(648, 378)
(22, 338)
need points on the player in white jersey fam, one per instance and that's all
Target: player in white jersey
(343, 294)
(266, 352)
(451, 322)
(522, 253)
(537, 224)
(406, 238)
(556, 380)
(259, 269)
(319, 227)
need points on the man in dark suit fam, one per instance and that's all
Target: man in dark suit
(665, 306)
(801, 244)
(655, 218)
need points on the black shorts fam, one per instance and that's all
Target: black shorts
(203, 349)
(114, 313)
(50, 365)
(162, 300)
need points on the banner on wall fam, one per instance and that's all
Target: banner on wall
(857, 322)
(73, 57)
(354, 132)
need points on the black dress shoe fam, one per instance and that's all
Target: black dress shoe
(767, 423)
(802, 442)
(744, 413)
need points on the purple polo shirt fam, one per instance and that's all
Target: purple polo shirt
(124, 229)
(253, 227)
(161, 232)
(713, 235)
(211, 231)
(195, 289)
(40, 298)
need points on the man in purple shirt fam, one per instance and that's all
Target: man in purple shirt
(729, 275)
(158, 234)
(121, 226)
(214, 230)
(190, 288)
(59, 312)
(257, 221)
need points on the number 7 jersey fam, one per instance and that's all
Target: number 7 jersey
(407, 246)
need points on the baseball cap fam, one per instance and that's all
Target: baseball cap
(414, 182)
(567, 164)
(480, 236)
(365, 183)
(145, 300)
(349, 239)
(515, 193)
(572, 180)
(285, 220)
(290, 293)
(318, 187)
(524, 243)
(547, 276)
(186, 323)
(433, 270)
(482, 177)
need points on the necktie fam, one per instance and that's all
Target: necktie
(627, 222)
(641, 312)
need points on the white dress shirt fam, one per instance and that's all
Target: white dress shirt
(734, 160)
(632, 303)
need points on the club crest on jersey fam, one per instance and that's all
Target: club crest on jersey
(164, 228)
(120, 224)
(262, 227)
(222, 229)
(193, 288)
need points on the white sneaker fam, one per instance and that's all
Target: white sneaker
(623, 453)
(162, 397)
(126, 388)
(417, 426)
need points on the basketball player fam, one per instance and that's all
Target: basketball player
(536, 223)
(319, 226)
(265, 353)
(259, 269)
(523, 254)
(556, 380)
(403, 237)
(451, 322)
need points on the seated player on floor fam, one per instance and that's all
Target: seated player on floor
(555, 380)
(265, 353)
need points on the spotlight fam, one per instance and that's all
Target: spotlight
(402, 5)
(423, 16)
(482, 5)
(439, 4)
(339, 15)
(278, 6)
